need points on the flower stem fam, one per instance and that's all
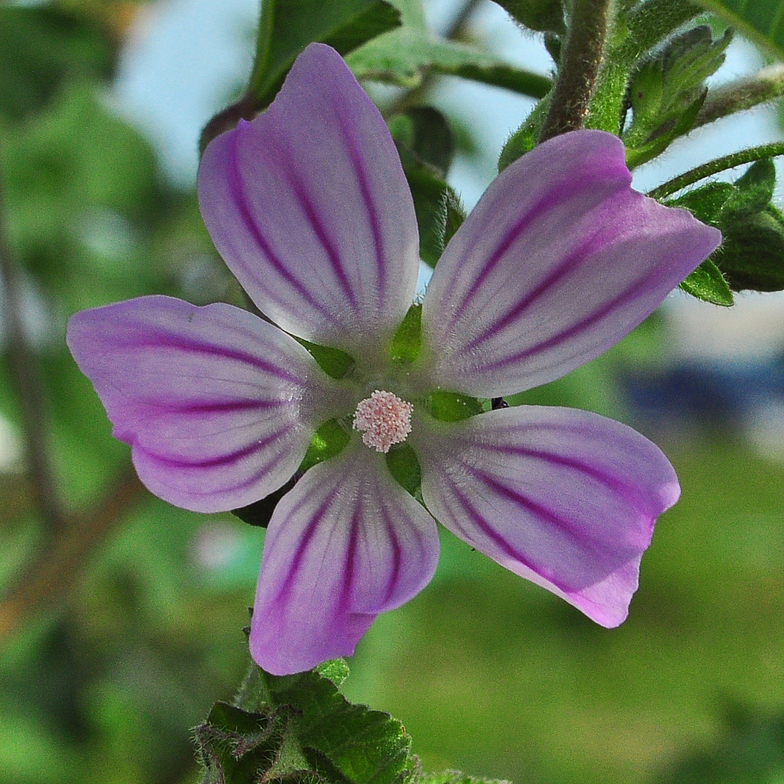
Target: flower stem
(764, 86)
(580, 63)
(714, 167)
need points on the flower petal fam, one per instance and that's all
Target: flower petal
(344, 545)
(559, 260)
(309, 207)
(218, 405)
(565, 498)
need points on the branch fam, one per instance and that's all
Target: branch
(49, 578)
(28, 385)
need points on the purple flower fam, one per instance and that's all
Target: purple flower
(310, 209)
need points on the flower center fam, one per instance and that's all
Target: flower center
(384, 419)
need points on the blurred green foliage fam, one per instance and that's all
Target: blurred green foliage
(100, 680)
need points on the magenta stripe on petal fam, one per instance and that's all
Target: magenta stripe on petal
(344, 545)
(309, 206)
(218, 406)
(518, 301)
(565, 498)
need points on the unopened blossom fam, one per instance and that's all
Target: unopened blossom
(310, 209)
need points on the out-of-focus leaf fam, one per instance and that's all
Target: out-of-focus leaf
(40, 48)
(752, 253)
(453, 777)
(760, 20)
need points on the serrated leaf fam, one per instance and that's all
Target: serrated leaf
(313, 732)
(708, 284)
(760, 20)
(453, 777)
(403, 57)
(287, 26)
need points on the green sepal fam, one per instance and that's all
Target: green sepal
(330, 439)
(425, 144)
(753, 191)
(524, 139)
(708, 284)
(666, 92)
(544, 16)
(752, 254)
(259, 513)
(452, 406)
(407, 341)
(333, 361)
(404, 466)
(299, 728)
(706, 202)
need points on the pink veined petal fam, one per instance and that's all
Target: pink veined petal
(310, 209)
(559, 260)
(564, 498)
(218, 405)
(344, 545)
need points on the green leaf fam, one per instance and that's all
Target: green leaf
(453, 777)
(708, 284)
(544, 16)
(762, 21)
(426, 147)
(753, 191)
(300, 728)
(287, 26)
(403, 57)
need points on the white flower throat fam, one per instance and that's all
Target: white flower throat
(384, 419)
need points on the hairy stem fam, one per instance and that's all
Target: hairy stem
(763, 86)
(714, 167)
(580, 62)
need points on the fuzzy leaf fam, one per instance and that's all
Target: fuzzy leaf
(708, 284)
(300, 728)
(402, 57)
(544, 16)
(287, 26)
